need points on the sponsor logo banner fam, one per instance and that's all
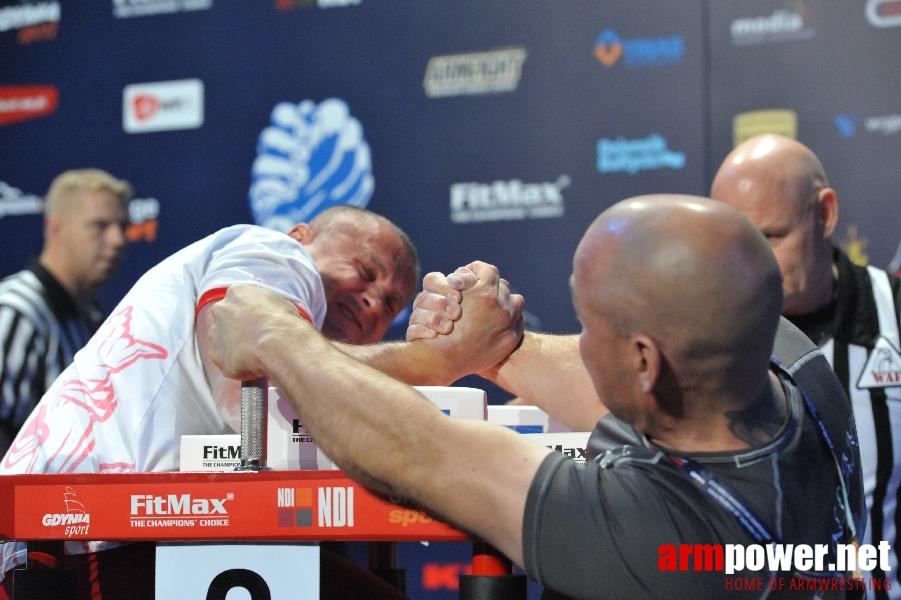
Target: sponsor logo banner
(126, 9)
(302, 4)
(143, 217)
(883, 13)
(622, 155)
(783, 25)
(14, 202)
(35, 21)
(162, 106)
(266, 505)
(21, 103)
(774, 120)
(849, 125)
(74, 522)
(637, 53)
(510, 200)
(310, 157)
(476, 73)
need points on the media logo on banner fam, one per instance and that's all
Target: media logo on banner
(651, 153)
(883, 13)
(510, 200)
(774, 120)
(783, 25)
(126, 9)
(326, 506)
(285, 5)
(162, 106)
(638, 53)
(14, 202)
(34, 21)
(849, 125)
(76, 520)
(474, 73)
(310, 157)
(183, 510)
(24, 102)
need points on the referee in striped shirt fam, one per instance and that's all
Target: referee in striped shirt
(48, 311)
(853, 313)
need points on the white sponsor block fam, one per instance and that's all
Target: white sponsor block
(570, 443)
(210, 452)
(459, 402)
(524, 418)
(289, 447)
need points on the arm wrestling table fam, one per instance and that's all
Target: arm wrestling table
(265, 505)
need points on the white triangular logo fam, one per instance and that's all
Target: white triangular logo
(883, 368)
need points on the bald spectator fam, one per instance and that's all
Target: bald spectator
(48, 311)
(851, 312)
(684, 370)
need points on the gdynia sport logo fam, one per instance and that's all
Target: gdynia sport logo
(759, 567)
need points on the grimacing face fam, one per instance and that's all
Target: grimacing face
(367, 280)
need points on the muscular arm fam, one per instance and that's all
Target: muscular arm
(377, 429)
(227, 392)
(547, 371)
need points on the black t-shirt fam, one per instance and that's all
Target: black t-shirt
(596, 531)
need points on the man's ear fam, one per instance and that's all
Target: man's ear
(828, 202)
(647, 361)
(303, 233)
(52, 225)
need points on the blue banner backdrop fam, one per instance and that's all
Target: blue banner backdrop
(487, 129)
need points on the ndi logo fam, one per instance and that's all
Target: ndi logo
(638, 53)
(310, 157)
(623, 155)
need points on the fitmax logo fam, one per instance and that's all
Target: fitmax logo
(510, 200)
(174, 504)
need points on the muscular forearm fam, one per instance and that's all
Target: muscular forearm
(547, 371)
(385, 434)
(415, 363)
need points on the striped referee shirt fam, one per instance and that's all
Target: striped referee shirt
(859, 334)
(41, 329)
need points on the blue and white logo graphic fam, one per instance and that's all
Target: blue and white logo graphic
(309, 158)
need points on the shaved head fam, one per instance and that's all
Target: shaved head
(771, 166)
(781, 186)
(691, 274)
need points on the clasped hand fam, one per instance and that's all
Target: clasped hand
(471, 314)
